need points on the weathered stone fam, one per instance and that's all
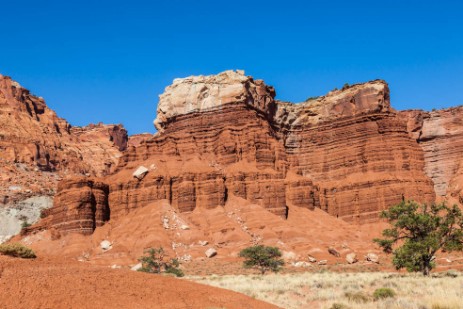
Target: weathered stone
(371, 257)
(334, 252)
(105, 245)
(211, 252)
(351, 258)
(136, 267)
(140, 172)
(301, 264)
(323, 262)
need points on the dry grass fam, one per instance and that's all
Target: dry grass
(347, 290)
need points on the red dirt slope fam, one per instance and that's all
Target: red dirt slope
(56, 284)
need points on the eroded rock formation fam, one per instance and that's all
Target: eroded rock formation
(37, 149)
(348, 153)
(440, 135)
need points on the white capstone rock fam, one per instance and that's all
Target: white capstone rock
(203, 243)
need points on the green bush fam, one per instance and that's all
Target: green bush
(312, 98)
(154, 263)
(263, 258)
(17, 250)
(382, 293)
(25, 224)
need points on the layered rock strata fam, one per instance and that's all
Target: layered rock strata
(348, 153)
(80, 205)
(31, 133)
(440, 135)
(38, 149)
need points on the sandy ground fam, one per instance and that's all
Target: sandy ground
(44, 283)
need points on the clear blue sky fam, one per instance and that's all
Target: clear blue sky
(109, 60)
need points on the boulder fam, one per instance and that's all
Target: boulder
(203, 243)
(323, 262)
(106, 245)
(301, 264)
(351, 258)
(136, 267)
(371, 257)
(311, 259)
(211, 252)
(140, 172)
(334, 252)
(289, 255)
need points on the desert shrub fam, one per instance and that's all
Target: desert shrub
(382, 293)
(312, 98)
(25, 224)
(174, 269)
(17, 250)
(262, 258)
(357, 297)
(154, 262)
(452, 273)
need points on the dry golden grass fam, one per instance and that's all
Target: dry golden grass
(347, 290)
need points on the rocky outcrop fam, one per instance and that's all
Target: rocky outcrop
(38, 149)
(440, 135)
(31, 133)
(356, 149)
(80, 205)
(348, 153)
(196, 94)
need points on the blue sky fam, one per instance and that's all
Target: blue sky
(109, 60)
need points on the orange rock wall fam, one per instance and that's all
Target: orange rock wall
(80, 205)
(348, 153)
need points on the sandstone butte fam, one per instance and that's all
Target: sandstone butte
(229, 165)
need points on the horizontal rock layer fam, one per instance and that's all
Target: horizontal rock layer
(80, 205)
(440, 135)
(31, 133)
(348, 153)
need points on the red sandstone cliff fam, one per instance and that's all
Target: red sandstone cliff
(37, 149)
(440, 135)
(348, 153)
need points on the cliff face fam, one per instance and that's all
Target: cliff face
(348, 153)
(440, 135)
(355, 147)
(37, 149)
(31, 133)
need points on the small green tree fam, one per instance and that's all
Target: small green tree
(419, 231)
(263, 258)
(153, 262)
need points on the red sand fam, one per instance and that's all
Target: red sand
(44, 283)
